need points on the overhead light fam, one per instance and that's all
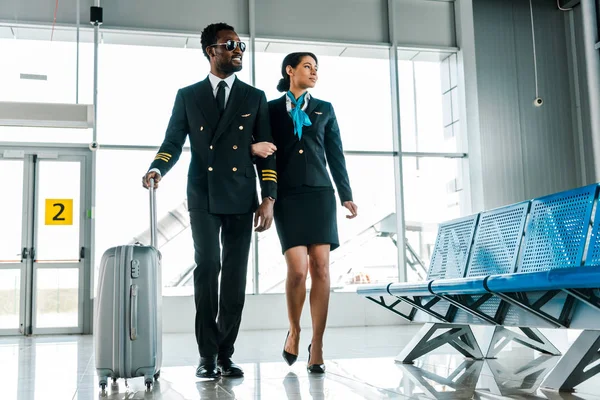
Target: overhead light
(47, 115)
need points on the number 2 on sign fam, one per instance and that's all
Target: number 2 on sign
(57, 217)
(59, 212)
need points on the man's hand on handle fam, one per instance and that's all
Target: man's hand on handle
(151, 175)
(263, 218)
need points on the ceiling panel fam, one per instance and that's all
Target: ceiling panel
(381, 53)
(317, 49)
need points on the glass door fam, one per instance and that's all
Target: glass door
(58, 252)
(41, 283)
(12, 264)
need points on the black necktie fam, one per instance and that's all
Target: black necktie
(221, 96)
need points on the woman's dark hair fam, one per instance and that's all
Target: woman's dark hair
(210, 33)
(292, 59)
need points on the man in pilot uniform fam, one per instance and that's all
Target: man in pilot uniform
(223, 116)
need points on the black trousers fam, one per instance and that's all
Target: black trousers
(218, 317)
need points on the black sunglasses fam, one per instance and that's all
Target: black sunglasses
(231, 45)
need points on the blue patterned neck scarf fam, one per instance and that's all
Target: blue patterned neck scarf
(298, 115)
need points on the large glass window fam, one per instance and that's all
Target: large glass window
(429, 109)
(139, 78)
(356, 81)
(367, 242)
(36, 69)
(432, 194)
(123, 213)
(433, 183)
(139, 75)
(43, 71)
(138, 87)
(122, 206)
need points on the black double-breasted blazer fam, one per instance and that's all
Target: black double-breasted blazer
(222, 174)
(304, 161)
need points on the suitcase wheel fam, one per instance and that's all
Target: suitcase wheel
(103, 383)
(148, 385)
(157, 375)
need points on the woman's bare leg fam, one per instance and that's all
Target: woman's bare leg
(318, 265)
(295, 292)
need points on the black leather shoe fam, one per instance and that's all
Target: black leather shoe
(230, 369)
(314, 368)
(207, 368)
(288, 357)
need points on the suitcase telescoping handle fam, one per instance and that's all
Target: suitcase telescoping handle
(153, 228)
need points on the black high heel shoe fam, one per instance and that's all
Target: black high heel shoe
(288, 357)
(315, 368)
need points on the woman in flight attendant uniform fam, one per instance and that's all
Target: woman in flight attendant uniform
(307, 139)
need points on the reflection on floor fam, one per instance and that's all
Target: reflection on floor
(360, 365)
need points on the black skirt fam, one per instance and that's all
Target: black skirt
(306, 215)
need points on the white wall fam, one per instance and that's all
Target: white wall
(268, 311)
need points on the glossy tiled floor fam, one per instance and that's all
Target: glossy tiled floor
(360, 365)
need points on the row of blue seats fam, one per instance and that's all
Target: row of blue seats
(533, 246)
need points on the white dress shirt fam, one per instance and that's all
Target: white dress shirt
(288, 102)
(214, 82)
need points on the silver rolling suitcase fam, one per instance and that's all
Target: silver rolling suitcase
(128, 311)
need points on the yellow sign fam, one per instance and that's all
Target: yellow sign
(59, 211)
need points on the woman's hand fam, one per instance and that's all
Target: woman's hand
(353, 209)
(263, 149)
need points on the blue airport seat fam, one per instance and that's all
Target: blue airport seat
(529, 265)
(500, 253)
(555, 279)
